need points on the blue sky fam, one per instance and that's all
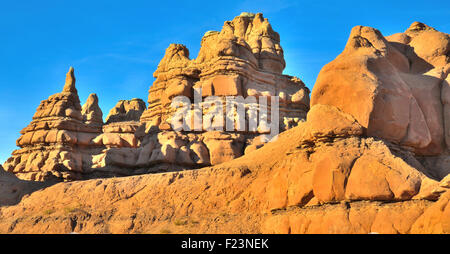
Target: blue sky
(115, 46)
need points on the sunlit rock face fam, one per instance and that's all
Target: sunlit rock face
(397, 87)
(53, 144)
(370, 157)
(245, 61)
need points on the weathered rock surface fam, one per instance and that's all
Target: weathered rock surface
(50, 143)
(68, 142)
(445, 95)
(372, 155)
(126, 110)
(302, 187)
(394, 86)
(92, 114)
(13, 189)
(244, 59)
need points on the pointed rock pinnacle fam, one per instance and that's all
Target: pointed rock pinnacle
(70, 82)
(92, 114)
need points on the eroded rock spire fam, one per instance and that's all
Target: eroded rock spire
(69, 86)
(92, 114)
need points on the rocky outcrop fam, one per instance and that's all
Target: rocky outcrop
(320, 177)
(394, 86)
(370, 156)
(92, 114)
(244, 59)
(126, 110)
(68, 142)
(445, 95)
(49, 144)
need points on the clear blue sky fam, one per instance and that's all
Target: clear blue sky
(115, 46)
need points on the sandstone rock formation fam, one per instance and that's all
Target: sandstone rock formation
(126, 111)
(92, 114)
(49, 144)
(244, 59)
(331, 181)
(371, 156)
(394, 86)
(67, 142)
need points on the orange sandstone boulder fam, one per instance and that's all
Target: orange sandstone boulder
(392, 85)
(325, 120)
(436, 219)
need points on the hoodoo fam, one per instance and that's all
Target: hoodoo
(50, 144)
(245, 59)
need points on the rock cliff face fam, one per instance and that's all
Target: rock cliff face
(68, 142)
(244, 59)
(396, 87)
(370, 157)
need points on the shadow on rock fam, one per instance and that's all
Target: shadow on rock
(12, 189)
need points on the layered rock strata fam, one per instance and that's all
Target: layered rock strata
(50, 143)
(243, 61)
(333, 173)
(320, 177)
